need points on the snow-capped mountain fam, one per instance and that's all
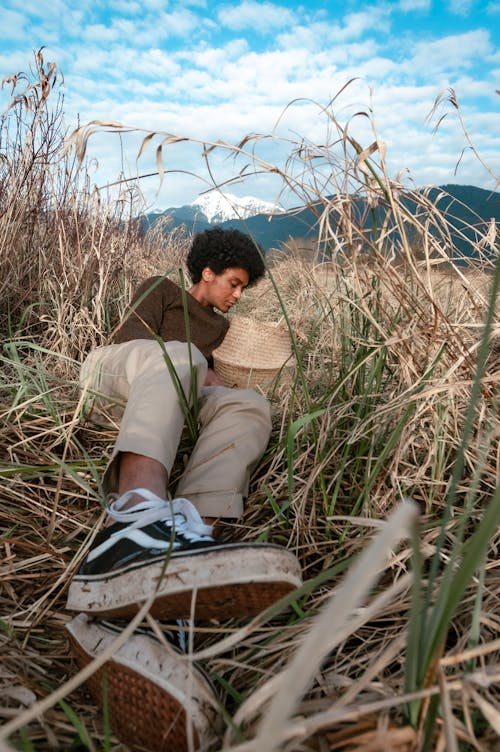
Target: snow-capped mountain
(220, 207)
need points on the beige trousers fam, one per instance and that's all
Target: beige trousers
(131, 383)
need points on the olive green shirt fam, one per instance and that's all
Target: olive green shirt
(157, 310)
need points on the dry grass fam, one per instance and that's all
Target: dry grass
(387, 358)
(49, 508)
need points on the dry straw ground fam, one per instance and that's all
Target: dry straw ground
(393, 643)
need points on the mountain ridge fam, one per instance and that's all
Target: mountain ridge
(469, 210)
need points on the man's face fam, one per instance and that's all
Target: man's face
(222, 291)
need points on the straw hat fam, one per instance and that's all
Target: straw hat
(253, 353)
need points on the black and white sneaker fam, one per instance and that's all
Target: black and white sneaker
(164, 549)
(151, 528)
(156, 699)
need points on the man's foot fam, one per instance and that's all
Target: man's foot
(156, 699)
(164, 549)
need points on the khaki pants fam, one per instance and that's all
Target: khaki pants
(131, 383)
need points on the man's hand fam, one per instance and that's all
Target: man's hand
(212, 379)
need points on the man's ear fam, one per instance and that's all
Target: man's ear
(207, 274)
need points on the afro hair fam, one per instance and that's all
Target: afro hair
(225, 249)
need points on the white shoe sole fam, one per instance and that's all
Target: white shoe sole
(152, 695)
(234, 580)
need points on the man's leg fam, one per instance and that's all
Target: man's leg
(151, 422)
(235, 426)
(138, 471)
(162, 550)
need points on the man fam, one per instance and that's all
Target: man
(156, 371)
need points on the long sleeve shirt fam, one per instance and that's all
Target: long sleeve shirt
(157, 309)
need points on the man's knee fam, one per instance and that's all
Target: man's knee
(246, 403)
(180, 354)
(255, 402)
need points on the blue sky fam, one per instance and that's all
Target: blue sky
(215, 71)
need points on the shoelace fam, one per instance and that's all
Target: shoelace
(179, 512)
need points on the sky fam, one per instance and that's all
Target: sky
(296, 76)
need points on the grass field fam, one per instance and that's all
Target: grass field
(393, 643)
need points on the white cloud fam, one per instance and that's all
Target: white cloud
(13, 25)
(469, 88)
(326, 35)
(410, 5)
(249, 14)
(374, 69)
(91, 60)
(376, 19)
(215, 58)
(144, 32)
(154, 5)
(461, 7)
(155, 64)
(127, 7)
(41, 10)
(100, 34)
(121, 73)
(312, 37)
(178, 23)
(451, 53)
(48, 23)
